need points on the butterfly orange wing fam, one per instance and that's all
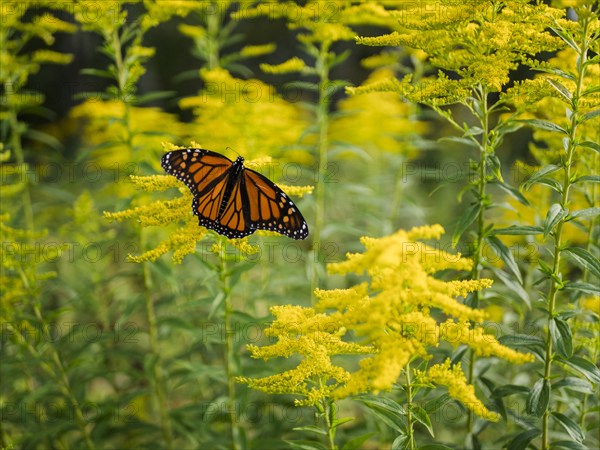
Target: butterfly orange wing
(269, 208)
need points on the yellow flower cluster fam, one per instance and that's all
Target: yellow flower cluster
(316, 338)
(294, 64)
(481, 44)
(454, 379)
(322, 22)
(378, 121)
(391, 316)
(102, 125)
(247, 116)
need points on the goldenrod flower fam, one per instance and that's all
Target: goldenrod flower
(458, 388)
(481, 44)
(316, 338)
(391, 315)
(247, 116)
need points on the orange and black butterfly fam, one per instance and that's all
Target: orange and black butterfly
(231, 199)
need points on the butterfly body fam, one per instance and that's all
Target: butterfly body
(231, 199)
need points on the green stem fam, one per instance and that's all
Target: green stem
(329, 414)
(555, 279)
(396, 199)
(229, 348)
(409, 417)
(213, 27)
(15, 140)
(157, 374)
(484, 148)
(322, 66)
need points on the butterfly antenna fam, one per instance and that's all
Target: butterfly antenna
(229, 148)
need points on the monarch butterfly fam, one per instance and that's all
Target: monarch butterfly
(231, 199)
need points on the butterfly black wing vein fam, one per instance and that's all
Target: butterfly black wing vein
(231, 199)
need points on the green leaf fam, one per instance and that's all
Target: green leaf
(551, 183)
(466, 219)
(509, 389)
(587, 212)
(572, 445)
(151, 96)
(587, 368)
(555, 214)
(422, 417)
(389, 411)
(357, 442)
(562, 90)
(570, 426)
(401, 442)
(312, 429)
(522, 440)
(539, 397)
(99, 73)
(513, 192)
(591, 90)
(567, 38)
(575, 384)
(505, 254)
(434, 447)
(521, 340)
(519, 230)
(513, 285)
(460, 140)
(582, 286)
(306, 445)
(44, 138)
(562, 339)
(539, 174)
(494, 165)
(435, 404)
(336, 423)
(589, 115)
(544, 125)
(590, 144)
(589, 178)
(585, 259)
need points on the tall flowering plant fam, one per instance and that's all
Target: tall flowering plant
(395, 321)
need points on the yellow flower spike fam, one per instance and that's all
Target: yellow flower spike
(257, 50)
(294, 64)
(316, 337)
(458, 388)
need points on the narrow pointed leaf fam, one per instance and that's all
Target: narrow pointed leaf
(587, 212)
(587, 368)
(570, 426)
(582, 286)
(466, 219)
(590, 115)
(505, 254)
(562, 339)
(522, 440)
(590, 144)
(555, 214)
(539, 174)
(357, 442)
(513, 192)
(519, 230)
(571, 445)
(539, 397)
(562, 90)
(585, 259)
(422, 417)
(545, 125)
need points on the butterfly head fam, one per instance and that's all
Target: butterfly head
(239, 160)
